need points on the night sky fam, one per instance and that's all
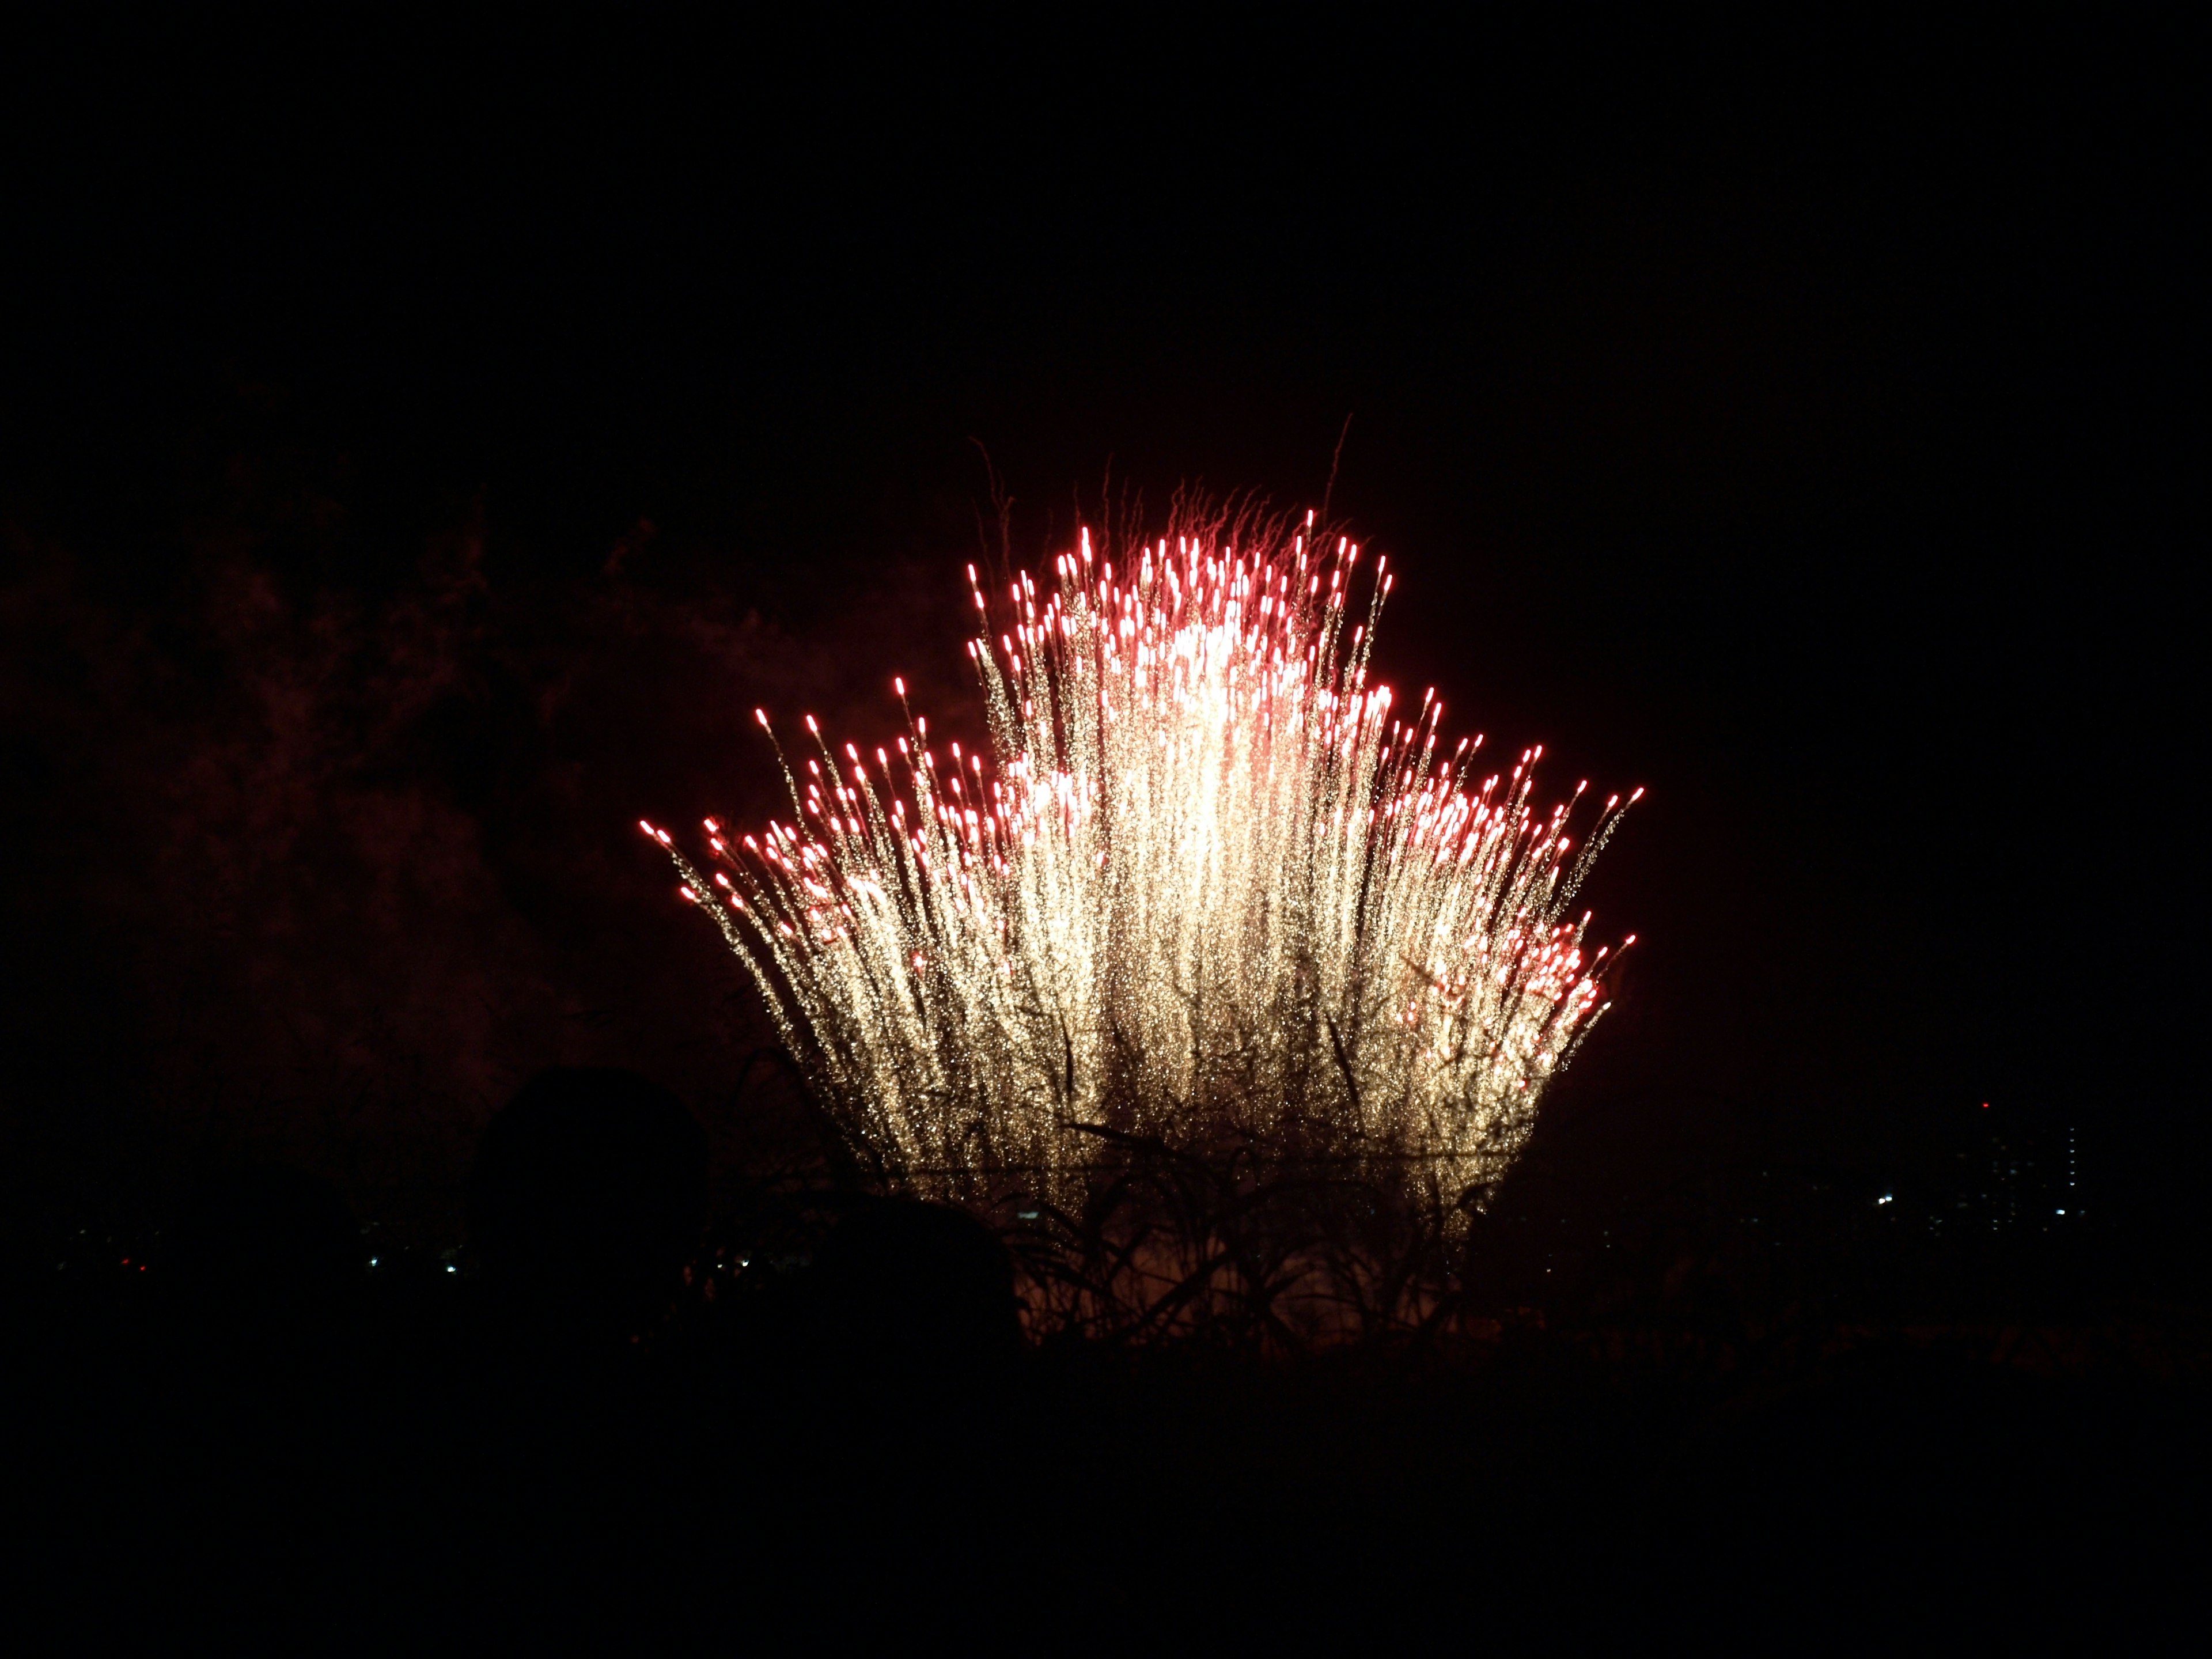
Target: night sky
(421, 451)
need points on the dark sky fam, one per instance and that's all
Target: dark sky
(421, 449)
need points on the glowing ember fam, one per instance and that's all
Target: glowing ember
(1209, 886)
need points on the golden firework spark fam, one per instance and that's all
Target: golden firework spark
(1208, 882)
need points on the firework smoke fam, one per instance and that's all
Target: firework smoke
(1209, 884)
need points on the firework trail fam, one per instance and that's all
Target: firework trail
(1209, 883)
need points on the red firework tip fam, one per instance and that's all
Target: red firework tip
(812, 727)
(898, 685)
(648, 829)
(760, 714)
(687, 896)
(712, 828)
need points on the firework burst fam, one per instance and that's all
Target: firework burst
(1209, 883)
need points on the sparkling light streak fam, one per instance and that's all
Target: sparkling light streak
(1209, 884)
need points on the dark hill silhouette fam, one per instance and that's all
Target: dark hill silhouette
(913, 1289)
(587, 1194)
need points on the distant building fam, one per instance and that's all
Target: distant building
(2009, 1178)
